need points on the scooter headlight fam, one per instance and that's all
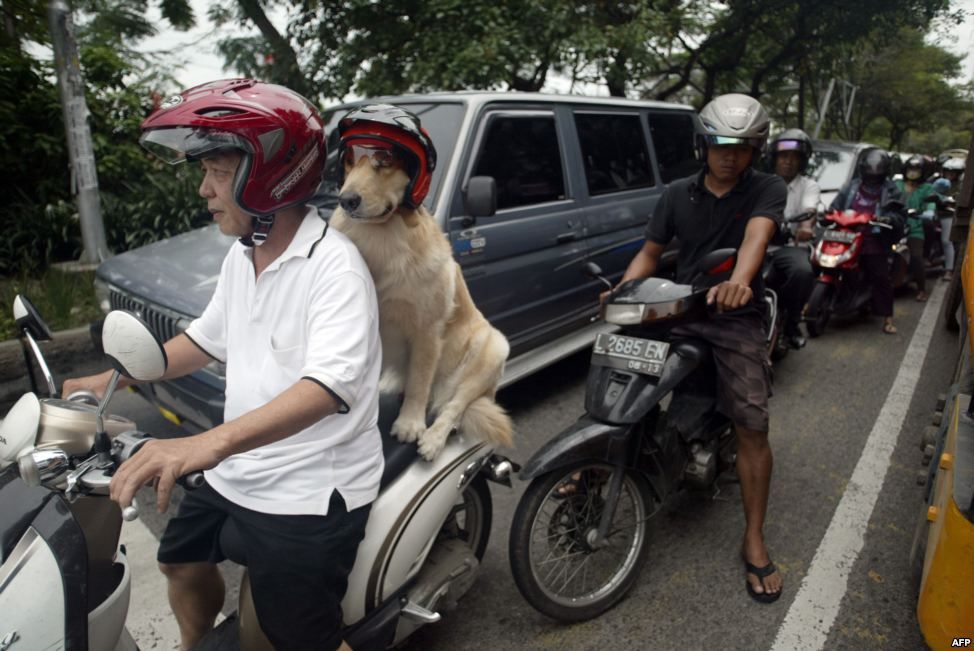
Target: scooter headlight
(624, 313)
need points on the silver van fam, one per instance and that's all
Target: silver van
(528, 187)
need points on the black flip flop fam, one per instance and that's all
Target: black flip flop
(761, 573)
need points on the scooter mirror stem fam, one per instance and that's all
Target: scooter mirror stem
(48, 377)
(103, 445)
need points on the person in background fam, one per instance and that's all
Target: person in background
(875, 194)
(951, 172)
(917, 195)
(792, 275)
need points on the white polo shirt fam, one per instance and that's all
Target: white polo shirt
(803, 196)
(311, 314)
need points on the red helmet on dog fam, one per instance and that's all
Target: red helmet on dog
(279, 133)
(401, 129)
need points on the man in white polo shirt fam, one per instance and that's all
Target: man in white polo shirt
(293, 469)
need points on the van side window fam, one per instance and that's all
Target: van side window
(614, 152)
(673, 137)
(523, 156)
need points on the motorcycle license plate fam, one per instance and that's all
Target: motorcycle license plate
(630, 353)
(846, 237)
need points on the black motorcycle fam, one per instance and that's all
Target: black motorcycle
(580, 532)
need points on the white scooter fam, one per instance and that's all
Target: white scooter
(426, 534)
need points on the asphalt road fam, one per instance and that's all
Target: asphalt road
(691, 593)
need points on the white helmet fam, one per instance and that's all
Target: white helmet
(734, 119)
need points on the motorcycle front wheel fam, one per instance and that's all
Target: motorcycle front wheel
(819, 309)
(554, 563)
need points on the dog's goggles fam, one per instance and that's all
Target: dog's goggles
(379, 155)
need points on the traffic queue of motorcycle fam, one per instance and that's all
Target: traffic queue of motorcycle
(650, 428)
(629, 452)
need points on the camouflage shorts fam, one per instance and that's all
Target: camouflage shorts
(743, 368)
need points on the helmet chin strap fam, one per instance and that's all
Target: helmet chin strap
(262, 228)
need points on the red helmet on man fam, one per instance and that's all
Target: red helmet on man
(278, 132)
(402, 130)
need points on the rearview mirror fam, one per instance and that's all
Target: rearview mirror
(480, 196)
(29, 319)
(133, 349)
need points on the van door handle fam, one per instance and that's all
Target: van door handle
(568, 236)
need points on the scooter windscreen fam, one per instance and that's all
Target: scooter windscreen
(654, 301)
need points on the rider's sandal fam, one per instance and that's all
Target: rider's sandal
(889, 329)
(762, 573)
(570, 487)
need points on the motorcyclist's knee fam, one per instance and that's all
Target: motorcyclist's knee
(187, 572)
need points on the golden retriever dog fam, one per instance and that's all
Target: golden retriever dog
(437, 347)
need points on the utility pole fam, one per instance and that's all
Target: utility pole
(84, 176)
(824, 108)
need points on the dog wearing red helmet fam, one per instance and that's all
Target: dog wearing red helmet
(437, 347)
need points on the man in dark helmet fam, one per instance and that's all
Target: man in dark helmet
(873, 192)
(792, 276)
(292, 471)
(729, 204)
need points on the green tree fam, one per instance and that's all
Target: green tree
(40, 221)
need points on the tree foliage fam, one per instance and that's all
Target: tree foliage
(140, 201)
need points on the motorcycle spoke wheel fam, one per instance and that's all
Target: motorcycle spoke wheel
(555, 564)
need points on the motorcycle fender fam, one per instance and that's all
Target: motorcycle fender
(625, 397)
(586, 439)
(404, 522)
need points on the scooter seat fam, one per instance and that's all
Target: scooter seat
(398, 455)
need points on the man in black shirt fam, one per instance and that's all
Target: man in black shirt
(728, 204)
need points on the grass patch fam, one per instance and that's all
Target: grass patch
(64, 300)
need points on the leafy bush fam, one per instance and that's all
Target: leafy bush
(64, 299)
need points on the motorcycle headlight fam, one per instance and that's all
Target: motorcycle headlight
(624, 314)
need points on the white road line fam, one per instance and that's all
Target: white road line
(816, 605)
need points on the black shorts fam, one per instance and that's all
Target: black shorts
(743, 368)
(298, 564)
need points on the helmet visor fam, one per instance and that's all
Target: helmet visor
(180, 144)
(380, 154)
(712, 140)
(788, 145)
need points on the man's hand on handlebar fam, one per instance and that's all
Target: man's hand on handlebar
(729, 295)
(163, 462)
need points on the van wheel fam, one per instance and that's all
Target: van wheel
(819, 309)
(555, 562)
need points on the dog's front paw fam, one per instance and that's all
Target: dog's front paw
(407, 429)
(432, 443)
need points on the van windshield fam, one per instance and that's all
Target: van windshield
(440, 119)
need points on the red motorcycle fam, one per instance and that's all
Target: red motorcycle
(840, 287)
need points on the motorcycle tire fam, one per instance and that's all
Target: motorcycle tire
(472, 517)
(550, 522)
(819, 309)
(779, 347)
